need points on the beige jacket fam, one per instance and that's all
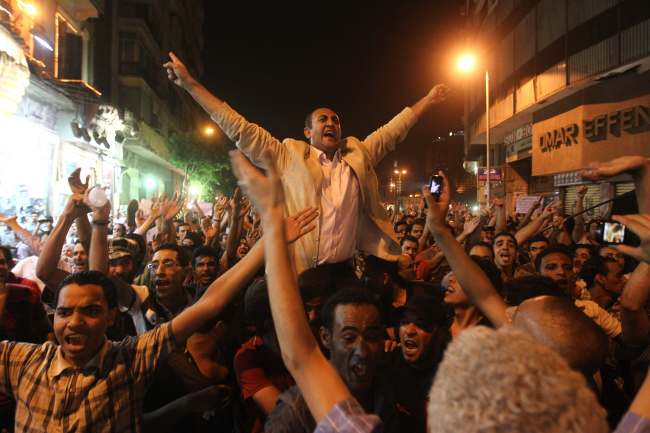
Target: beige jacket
(302, 177)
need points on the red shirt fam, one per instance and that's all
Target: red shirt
(24, 318)
(257, 367)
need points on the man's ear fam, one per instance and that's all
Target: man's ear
(600, 279)
(307, 133)
(325, 337)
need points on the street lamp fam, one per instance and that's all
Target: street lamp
(466, 64)
(208, 131)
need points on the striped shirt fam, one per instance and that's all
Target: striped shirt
(104, 396)
(348, 416)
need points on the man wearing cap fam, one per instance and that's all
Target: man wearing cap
(122, 268)
(423, 335)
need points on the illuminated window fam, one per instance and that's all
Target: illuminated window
(68, 53)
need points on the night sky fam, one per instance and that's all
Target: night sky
(276, 61)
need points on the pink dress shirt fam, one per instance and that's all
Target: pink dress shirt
(339, 209)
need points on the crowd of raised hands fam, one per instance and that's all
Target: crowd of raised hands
(488, 321)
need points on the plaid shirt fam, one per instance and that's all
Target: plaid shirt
(104, 396)
(633, 423)
(348, 417)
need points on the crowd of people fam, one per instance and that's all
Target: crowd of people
(301, 304)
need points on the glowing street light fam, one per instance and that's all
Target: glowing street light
(28, 8)
(466, 64)
(209, 131)
(150, 183)
(195, 189)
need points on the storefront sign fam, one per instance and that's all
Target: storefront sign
(495, 174)
(597, 132)
(519, 143)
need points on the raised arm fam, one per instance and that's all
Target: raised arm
(579, 219)
(234, 230)
(476, 284)
(529, 214)
(48, 260)
(535, 225)
(218, 295)
(319, 383)
(24, 234)
(98, 254)
(224, 288)
(250, 138)
(634, 319)
(500, 215)
(83, 226)
(383, 140)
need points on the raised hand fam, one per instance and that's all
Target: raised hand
(209, 230)
(437, 210)
(639, 224)
(265, 192)
(301, 223)
(438, 94)
(550, 209)
(8, 219)
(471, 225)
(582, 191)
(219, 207)
(245, 208)
(169, 208)
(75, 206)
(140, 218)
(156, 203)
(74, 181)
(177, 71)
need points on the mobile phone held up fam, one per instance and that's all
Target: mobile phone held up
(435, 186)
(612, 232)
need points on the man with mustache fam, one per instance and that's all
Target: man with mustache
(423, 336)
(333, 174)
(353, 334)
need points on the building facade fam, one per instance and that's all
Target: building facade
(82, 85)
(569, 84)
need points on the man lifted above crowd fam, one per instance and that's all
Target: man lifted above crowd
(330, 173)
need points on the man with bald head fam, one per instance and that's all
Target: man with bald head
(558, 324)
(333, 174)
(551, 319)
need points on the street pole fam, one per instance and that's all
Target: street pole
(487, 133)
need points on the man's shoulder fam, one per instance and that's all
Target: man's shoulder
(25, 353)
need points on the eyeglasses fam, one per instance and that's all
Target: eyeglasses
(166, 264)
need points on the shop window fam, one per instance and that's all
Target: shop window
(68, 52)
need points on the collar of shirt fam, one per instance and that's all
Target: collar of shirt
(60, 364)
(322, 157)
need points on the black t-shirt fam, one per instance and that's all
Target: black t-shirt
(412, 384)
